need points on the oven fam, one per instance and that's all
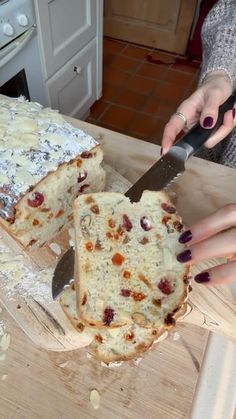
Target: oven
(20, 65)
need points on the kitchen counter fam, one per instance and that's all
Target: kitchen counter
(41, 384)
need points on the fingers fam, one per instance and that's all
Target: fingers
(221, 274)
(213, 99)
(220, 220)
(176, 124)
(223, 131)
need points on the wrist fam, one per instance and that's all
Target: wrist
(218, 79)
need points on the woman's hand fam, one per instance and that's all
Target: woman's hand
(203, 106)
(213, 236)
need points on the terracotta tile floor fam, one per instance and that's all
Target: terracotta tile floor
(138, 96)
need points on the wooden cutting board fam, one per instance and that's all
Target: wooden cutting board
(25, 291)
(40, 384)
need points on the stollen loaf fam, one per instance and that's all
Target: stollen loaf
(45, 163)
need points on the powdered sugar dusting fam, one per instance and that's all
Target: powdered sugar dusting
(33, 142)
(18, 278)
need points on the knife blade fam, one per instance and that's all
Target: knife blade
(158, 177)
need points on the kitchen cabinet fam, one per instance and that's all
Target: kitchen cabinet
(160, 24)
(70, 40)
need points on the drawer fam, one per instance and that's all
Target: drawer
(64, 28)
(73, 88)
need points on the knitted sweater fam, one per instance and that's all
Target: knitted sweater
(219, 53)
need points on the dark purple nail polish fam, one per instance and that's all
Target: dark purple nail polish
(233, 112)
(202, 277)
(208, 121)
(184, 256)
(185, 237)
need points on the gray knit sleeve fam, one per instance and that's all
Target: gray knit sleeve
(219, 40)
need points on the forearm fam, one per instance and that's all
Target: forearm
(219, 41)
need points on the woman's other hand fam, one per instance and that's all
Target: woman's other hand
(203, 106)
(212, 237)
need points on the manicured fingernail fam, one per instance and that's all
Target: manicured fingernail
(202, 277)
(185, 237)
(208, 121)
(233, 112)
(161, 151)
(184, 256)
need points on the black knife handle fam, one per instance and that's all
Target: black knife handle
(197, 135)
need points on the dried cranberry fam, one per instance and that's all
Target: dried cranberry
(165, 286)
(127, 223)
(125, 292)
(82, 176)
(37, 200)
(145, 223)
(83, 187)
(86, 155)
(168, 208)
(108, 315)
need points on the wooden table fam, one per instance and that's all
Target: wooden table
(36, 384)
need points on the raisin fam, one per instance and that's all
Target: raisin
(111, 223)
(98, 338)
(117, 259)
(95, 209)
(178, 226)
(126, 274)
(79, 163)
(98, 245)
(36, 201)
(83, 187)
(120, 231)
(82, 176)
(125, 292)
(138, 296)
(59, 213)
(86, 155)
(89, 199)
(156, 302)
(89, 246)
(35, 222)
(168, 208)
(129, 336)
(18, 306)
(33, 241)
(145, 223)
(70, 217)
(108, 315)
(165, 286)
(144, 240)
(109, 235)
(169, 320)
(165, 219)
(80, 327)
(84, 301)
(127, 225)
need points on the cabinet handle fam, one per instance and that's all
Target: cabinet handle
(77, 70)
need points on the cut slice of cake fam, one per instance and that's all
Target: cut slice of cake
(126, 268)
(45, 164)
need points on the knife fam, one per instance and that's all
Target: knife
(159, 176)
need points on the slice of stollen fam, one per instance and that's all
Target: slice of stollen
(126, 269)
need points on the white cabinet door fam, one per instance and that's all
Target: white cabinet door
(73, 88)
(65, 27)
